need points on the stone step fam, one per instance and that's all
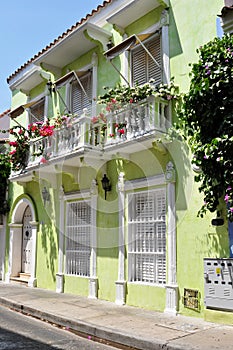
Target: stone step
(23, 277)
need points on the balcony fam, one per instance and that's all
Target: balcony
(126, 129)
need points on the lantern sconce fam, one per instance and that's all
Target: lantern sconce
(219, 221)
(106, 185)
(45, 195)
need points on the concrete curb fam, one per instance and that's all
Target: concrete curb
(87, 329)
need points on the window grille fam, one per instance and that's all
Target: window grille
(37, 112)
(147, 237)
(78, 238)
(191, 299)
(79, 98)
(143, 67)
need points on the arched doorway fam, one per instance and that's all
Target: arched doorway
(26, 242)
(22, 243)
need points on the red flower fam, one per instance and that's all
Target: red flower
(121, 131)
(13, 143)
(94, 119)
(12, 152)
(20, 131)
(46, 130)
(43, 160)
(34, 128)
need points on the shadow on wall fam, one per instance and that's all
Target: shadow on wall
(174, 42)
(50, 248)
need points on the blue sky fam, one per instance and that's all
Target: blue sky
(27, 26)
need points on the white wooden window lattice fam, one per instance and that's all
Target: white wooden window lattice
(147, 237)
(78, 238)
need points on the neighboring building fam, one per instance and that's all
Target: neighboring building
(4, 138)
(4, 125)
(139, 241)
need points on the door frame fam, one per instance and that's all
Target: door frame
(15, 240)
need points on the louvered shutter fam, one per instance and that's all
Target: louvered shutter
(154, 72)
(37, 112)
(139, 66)
(147, 237)
(79, 100)
(143, 68)
(78, 239)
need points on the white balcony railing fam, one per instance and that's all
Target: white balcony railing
(133, 121)
(147, 117)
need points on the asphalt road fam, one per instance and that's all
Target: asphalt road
(18, 331)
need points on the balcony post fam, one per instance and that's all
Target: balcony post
(84, 128)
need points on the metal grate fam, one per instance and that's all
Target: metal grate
(147, 237)
(191, 299)
(78, 238)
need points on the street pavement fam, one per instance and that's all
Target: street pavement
(122, 325)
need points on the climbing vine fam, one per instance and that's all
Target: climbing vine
(207, 121)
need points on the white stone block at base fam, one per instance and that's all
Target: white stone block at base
(59, 283)
(93, 284)
(120, 292)
(171, 299)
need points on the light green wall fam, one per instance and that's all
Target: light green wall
(148, 297)
(192, 24)
(196, 238)
(76, 285)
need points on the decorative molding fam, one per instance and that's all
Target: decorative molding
(94, 188)
(50, 68)
(145, 182)
(121, 283)
(93, 280)
(59, 274)
(79, 194)
(98, 34)
(121, 182)
(170, 174)
(164, 19)
(171, 287)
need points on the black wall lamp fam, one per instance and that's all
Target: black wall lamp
(45, 195)
(106, 185)
(219, 221)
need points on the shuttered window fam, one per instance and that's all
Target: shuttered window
(37, 112)
(143, 68)
(78, 238)
(80, 99)
(147, 237)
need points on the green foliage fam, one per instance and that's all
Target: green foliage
(207, 122)
(5, 170)
(121, 95)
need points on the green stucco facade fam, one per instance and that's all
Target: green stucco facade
(190, 25)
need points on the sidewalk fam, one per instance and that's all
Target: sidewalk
(124, 325)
